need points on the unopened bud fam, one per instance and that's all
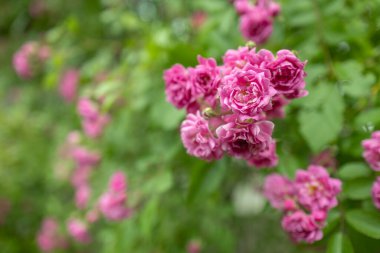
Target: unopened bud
(250, 44)
(209, 113)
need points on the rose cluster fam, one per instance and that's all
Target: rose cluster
(304, 201)
(27, 60)
(256, 20)
(372, 155)
(230, 106)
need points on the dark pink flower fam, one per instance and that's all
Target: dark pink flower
(316, 190)
(112, 203)
(257, 25)
(68, 84)
(278, 107)
(304, 227)
(376, 193)
(266, 157)
(288, 74)
(372, 150)
(243, 140)
(198, 139)
(177, 86)
(78, 230)
(247, 91)
(49, 239)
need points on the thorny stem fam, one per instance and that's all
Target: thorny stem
(322, 42)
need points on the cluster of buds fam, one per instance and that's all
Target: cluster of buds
(230, 106)
(27, 61)
(256, 20)
(372, 155)
(304, 201)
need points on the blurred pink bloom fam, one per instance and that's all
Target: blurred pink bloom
(37, 8)
(194, 246)
(197, 138)
(304, 227)
(372, 150)
(92, 216)
(80, 176)
(84, 157)
(257, 25)
(326, 159)
(316, 190)
(68, 84)
(78, 230)
(376, 193)
(49, 238)
(82, 195)
(112, 203)
(198, 18)
(5, 207)
(278, 189)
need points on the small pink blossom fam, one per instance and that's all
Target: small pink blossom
(82, 195)
(376, 193)
(198, 139)
(49, 239)
(304, 227)
(87, 108)
(278, 189)
(84, 157)
(78, 230)
(68, 84)
(177, 86)
(198, 18)
(372, 150)
(247, 91)
(194, 246)
(257, 25)
(266, 157)
(243, 140)
(316, 190)
(288, 74)
(92, 216)
(81, 176)
(112, 203)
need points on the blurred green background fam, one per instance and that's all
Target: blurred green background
(180, 198)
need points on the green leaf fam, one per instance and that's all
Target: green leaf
(332, 221)
(339, 243)
(354, 170)
(368, 118)
(365, 222)
(358, 189)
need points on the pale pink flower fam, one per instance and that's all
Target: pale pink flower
(177, 86)
(84, 157)
(78, 230)
(49, 239)
(87, 108)
(81, 176)
(198, 18)
(304, 227)
(376, 193)
(316, 190)
(288, 74)
(278, 189)
(247, 91)
(112, 203)
(92, 216)
(82, 195)
(68, 84)
(94, 128)
(194, 246)
(372, 150)
(243, 140)
(257, 25)
(198, 139)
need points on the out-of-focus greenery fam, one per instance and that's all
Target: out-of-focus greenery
(180, 197)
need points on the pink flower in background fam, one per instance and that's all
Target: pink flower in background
(5, 207)
(78, 230)
(265, 157)
(325, 159)
(87, 109)
(82, 195)
(198, 18)
(177, 86)
(257, 25)
(316, 190)
(112, 203)
(49, 239)
(81, 176)
(197, 138)
(84, 157)
(194, 246)
(278, 189)
(247, 91)
(28, 58)
(278, 107)
(304, 227)
(288, 74)
(92, 215)
(372, 150)
(68, 84)
(376, 193)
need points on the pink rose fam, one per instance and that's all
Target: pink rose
(82, 195)
(278, 189)
(247, 91)
(372, 150)
(288, 74)
(49, 239)
(78, 230)
(198, 139)
(376, 193)
(304, 227)
(177, 86)
(316, 190)
(68, 84)
(266, 157)
(85, 157)
(278, 107)
(257, 25)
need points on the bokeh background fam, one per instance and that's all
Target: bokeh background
(121, 48)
